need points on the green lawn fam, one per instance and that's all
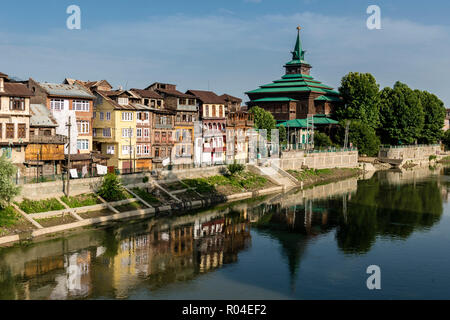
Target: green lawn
(8, 217)
(241, 182)
(81, 200)
(31, 206)
(147, 197)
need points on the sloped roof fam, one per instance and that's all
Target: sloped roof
(175, 93)
(16, 89)
(206, 96)
(2, 75)
(271, 99)
(66, 90)
(147, 93)
(41, 116)
(302, 123)
(228, 97)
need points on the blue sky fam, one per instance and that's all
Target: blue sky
(227, 46)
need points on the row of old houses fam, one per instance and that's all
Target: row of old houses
(125, 130)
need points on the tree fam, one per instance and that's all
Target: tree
(111, 188)
(361, 99)
(446, 139)
(263, 120)
(282, 134)
(401, 114)
(8, 190)
(322, 140)
(361, 136)
(434, 112)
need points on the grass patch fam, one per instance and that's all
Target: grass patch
(244, 181)
(31, 206)
(83, 200)
(320, 176)
(133, 206)
(8, 217)
(56, 221)
(147, 197)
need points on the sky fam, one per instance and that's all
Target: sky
(229, 46)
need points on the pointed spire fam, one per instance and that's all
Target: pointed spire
(298, 53)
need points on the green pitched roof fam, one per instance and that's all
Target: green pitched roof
(275, 99)
(328, 98)
(302, 123)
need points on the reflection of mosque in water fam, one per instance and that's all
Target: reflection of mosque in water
(117, 261)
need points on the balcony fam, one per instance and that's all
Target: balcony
(163, 126)
(57, 139)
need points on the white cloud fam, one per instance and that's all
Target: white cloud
(233, 55)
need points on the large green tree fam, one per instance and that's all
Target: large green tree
(8, 190)
(361, 99)
(362, 136)
(401, 114)
(263, 119)
(434, 112)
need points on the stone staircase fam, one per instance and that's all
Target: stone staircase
(275, 175)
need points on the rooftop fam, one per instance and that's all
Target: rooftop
(66, 90)
(206, 96)
(16, 90)
(41, 116)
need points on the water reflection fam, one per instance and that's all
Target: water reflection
(116, 261)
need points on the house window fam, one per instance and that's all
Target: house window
(127, 133)
(57, 104)
(213, 111)
(107, 132)
(157, 136)
(81, 105)
(83, 144)
(16, 103)
(126, 150)
(146, 149)
(206, 111)
(221, 114)
(94, 132)
(21, 132)
(123, 101)
(159, 103)
(94, 115)
(1, 131)
(139, 132)
(102, 116)
(146, 133)
(108, 116)
(83, 127)
(127, 116)
(138, 149)
(156, 152)
(110, 150)
(10, 131)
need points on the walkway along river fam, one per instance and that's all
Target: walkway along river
(311, 244)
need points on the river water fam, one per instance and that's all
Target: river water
(307, 244)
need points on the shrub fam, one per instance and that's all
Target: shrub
(31, 206)
(235, 168)
(8, 190)
(432, 157)
(322, 140)
(145, 179)
(111, 188)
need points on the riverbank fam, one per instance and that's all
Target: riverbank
(313, 177)
(30, 220)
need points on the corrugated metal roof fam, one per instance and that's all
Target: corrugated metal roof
(41, 116)
(66, 90)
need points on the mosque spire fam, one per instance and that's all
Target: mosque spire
(298, 53)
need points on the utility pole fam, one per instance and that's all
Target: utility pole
(69, 126)
(131, 160)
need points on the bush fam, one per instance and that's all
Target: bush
(322, 140)
(8, 189)
(446, 139)
(361, 136)
(145, 179)
(111, 188)
(235, 168)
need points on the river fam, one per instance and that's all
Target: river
(306, 244)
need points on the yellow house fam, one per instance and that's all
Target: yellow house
(115, 128)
